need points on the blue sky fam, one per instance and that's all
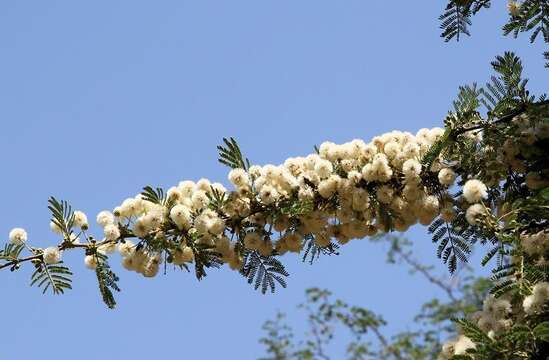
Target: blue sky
(98, 99)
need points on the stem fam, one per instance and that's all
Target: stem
(17, 261)
(502, 119)
(65, 245)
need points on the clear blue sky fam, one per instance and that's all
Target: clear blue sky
(100, 98)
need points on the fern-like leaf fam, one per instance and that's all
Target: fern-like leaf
(263, 271)
(313, 251)
(52, 276)
(107, 280)
(231, 156)
(62, 215)
(156, 196)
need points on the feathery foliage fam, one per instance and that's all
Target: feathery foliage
(312, 251)
(205, 257)
(456, 18)
(62, 216)
(11, 252)
(231, 156)
(533, 15)
(52, 276)
(106, 279)
(156, 196)
(263, 271)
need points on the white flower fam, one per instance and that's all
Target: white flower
(392, 149)
(446, 176)
(255, 171)
(239, 178)
(186, 188)
(265, 247)
(541, 292)
(199, 200)
(18, 236)
(322, 239)
(181, 216)
(462, 344)
(474, 191)
(361, 200)
(105, 218)
(252, 240)
(112, 232)
(203, 184)
(152, 266)
(384, 194)
(55, 228)
(107, 248)
(448, 213)
(430, 203)
(80, 220)
(268, 194)
(529, 304)
(293, 242)
(474, 213)
(324, 168)
(52, 255)
(328, 187)
(90, 261)
(182, 255)
(411, 168)
(513, 7)
(126, 248)
(130, 207)
(142, 227)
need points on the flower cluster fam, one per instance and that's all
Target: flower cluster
(455, 347)
(535, 244)
(494, 316)
(345, 191)
(351, 190)
(540, 295)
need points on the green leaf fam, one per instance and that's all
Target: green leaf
(543, 194)
(52, 276)
(11, 251)
(156, 196)
(107, 280)
(541, 331)
(62, 215)
(264, 271)
(231, 156)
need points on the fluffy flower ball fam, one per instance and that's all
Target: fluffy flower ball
(126, 249)
(52, 255)
(91, 262)
(446, 176)
(513, 7)
(80, 220)
(239, 178)
(474, 191)
(105, 218)
(18, 236)
(112, 232)
(534, 303)
(181, 216)
(474, 213)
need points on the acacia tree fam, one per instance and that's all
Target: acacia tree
(483, 180)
